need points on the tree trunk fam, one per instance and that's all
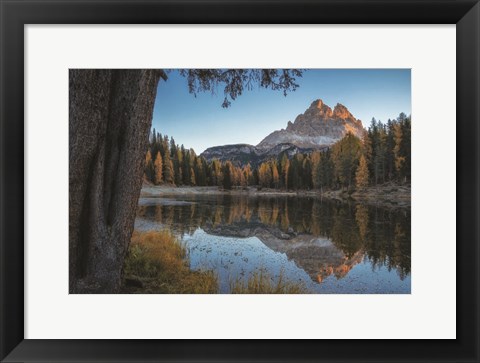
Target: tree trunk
(110, 117)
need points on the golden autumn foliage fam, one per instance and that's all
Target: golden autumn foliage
(361, 177)
(386, 149)
(158, 166)
(159, 262)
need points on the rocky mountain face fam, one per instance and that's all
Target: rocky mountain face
(317, 128)
(241, 154)
(317, 256)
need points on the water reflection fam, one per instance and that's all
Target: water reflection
(324, 239)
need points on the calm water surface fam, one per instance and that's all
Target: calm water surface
(330, 247)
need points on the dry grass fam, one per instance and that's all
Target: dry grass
(261, 283)
(158, 263)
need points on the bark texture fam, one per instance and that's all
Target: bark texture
(109, 122)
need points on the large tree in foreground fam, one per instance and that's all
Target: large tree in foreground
(110, 114)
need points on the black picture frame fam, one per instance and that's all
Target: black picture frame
(16, 14)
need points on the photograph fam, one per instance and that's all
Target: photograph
(240, 181)
(234, 181)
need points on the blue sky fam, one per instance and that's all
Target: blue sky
(200, 122)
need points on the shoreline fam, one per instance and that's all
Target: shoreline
(388, 195)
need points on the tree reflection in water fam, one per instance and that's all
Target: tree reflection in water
(323, 237)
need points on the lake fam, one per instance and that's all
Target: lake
(328, 246)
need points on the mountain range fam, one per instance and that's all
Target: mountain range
(317, 128)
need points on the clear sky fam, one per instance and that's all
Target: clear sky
(200, 122)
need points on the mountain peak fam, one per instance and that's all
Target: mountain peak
(317, 104)
(318, 126)
(340, 111)
(320, 108)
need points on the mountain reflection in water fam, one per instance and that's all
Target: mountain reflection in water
(331, 247)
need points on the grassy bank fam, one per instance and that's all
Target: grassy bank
(158, 263)
(260, 283)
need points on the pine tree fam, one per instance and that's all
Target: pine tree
(381, 156)
(367, 150)
(390, 143)
(200, 171)
(378, 138)
(192, 177)
(295, 172)
(160, 145)
(345, 154)
(154, 142)
(292, 176)
(316, 169)
(397, 151)
(175, 156)
(255, 177)
(407, 146)
(307, 173)
(158, 168)
(149, 173)
(184, 165)
(327, 169)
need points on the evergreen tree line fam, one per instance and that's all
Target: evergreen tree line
(168, 163)
(382, 155)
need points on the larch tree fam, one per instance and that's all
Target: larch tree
(168, 175)
(247, 171)
(275, 175)
(158, 164)
(217, 177)
(110, 116)
(265, 175)
(242, 178)
(228, 175)
(361, 177)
